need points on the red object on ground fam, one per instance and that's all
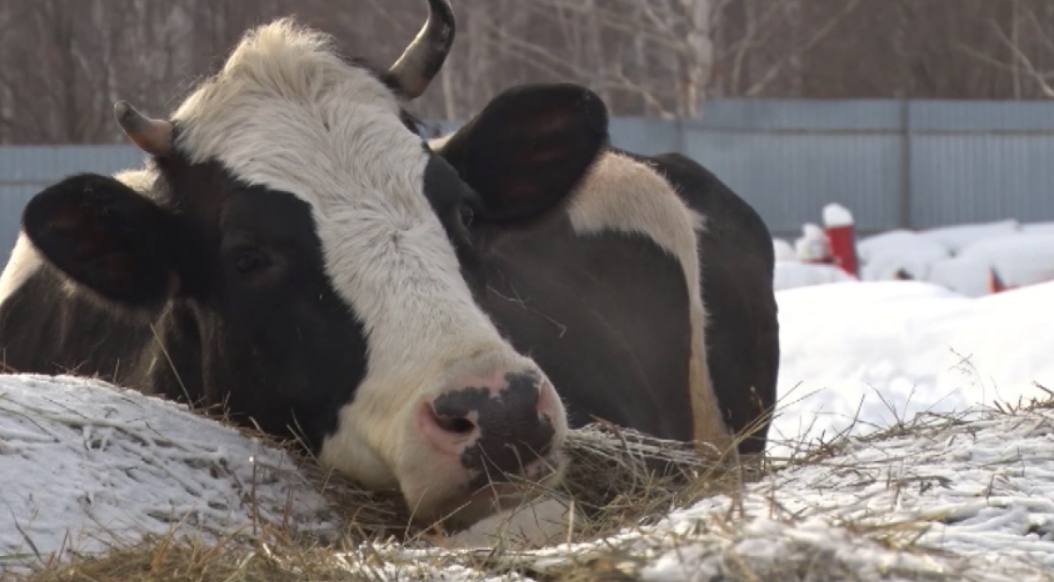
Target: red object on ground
(995, 282)
(843, 247)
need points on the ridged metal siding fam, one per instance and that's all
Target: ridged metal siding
(788, 178)
(893, 163)
(976, 161)
(914, 164)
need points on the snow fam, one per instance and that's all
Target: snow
(86, 466)
(958, 237)
(1019, 259)
(969, 496)
(962, 258)
(1038, 227)
(836, 215)
(884, 256)
(813, 245)
(791, 274)
(985, 493)
(882, 351)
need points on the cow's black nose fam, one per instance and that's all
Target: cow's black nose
(499, 430)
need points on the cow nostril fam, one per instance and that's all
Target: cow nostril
(455, 425)
(452, 423)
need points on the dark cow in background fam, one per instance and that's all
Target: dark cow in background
(427, 318)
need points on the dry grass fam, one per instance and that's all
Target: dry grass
(616, 477)
(619, 480)
(620, 477)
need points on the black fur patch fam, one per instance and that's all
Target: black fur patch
(529, 148)
(107, 237)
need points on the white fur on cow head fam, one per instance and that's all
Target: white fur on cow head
(286, 113)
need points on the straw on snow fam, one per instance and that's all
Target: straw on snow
(88, 466)
(939, 498)
(922, 498)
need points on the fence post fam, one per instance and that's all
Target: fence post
(905, 163)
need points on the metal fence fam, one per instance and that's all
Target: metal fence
(896, 164)
(912, 164)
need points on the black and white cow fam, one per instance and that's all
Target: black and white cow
(297, 254)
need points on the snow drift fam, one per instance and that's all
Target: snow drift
(86, 466)
(870, 354)
(961, 258)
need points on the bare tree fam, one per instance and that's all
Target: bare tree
(63, 62)
(1028, 43)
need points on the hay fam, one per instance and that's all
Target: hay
(622, 481)
(620, 477)
(615, 477)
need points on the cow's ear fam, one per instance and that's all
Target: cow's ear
(529, 148)
(106, 237)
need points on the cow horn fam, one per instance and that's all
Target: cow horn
(425, 55)
(153, 136)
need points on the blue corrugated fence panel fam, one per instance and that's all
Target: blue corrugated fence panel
(809, 115)
(646, 136)
(976, 178)
(37, 164)
(973, 116)
(789, 178)
(965, 161)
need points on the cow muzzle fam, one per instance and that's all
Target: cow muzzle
(499, 428)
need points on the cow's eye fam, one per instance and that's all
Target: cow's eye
(250, 260)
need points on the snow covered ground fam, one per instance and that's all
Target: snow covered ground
(792, 274)
(961, 258)
(84, 465)
(969, 497)
(875, 353)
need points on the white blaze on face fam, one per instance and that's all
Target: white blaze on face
(287, 114)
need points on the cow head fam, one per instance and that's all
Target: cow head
(323, 255)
